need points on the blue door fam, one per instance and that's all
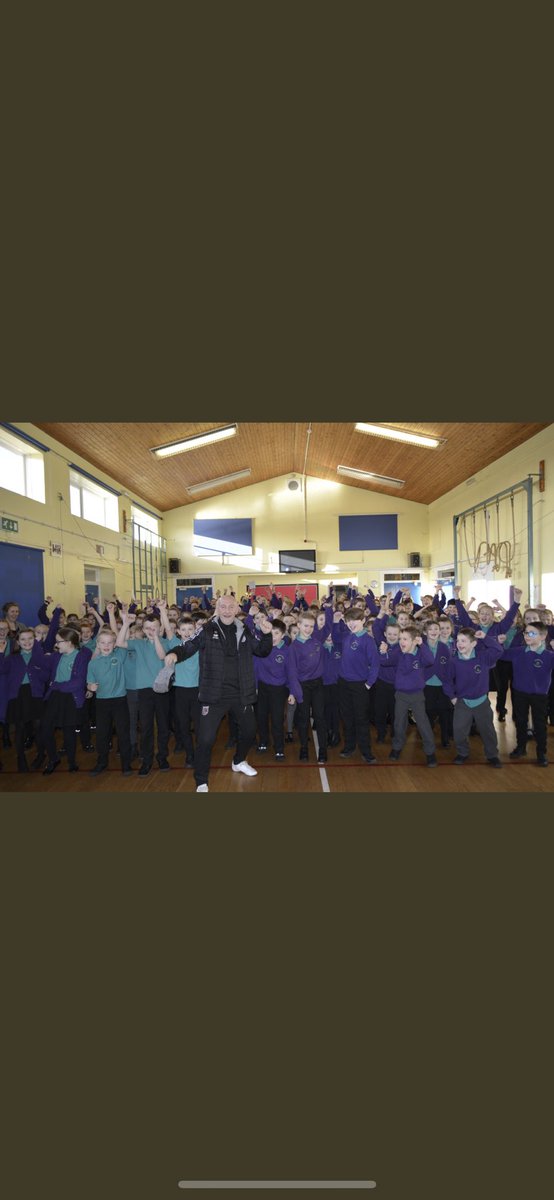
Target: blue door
(22, 579)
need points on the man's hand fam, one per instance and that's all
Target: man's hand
(170, 660)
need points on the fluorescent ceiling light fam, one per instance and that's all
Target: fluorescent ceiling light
(212, 483)
(193, 443)
(370, 477)
(400, 435)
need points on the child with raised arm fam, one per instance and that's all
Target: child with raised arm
(532, 668)
(106, 679)
(411, 658)
(468, 688)
(276, 680)
(307, 650)
(358, 671)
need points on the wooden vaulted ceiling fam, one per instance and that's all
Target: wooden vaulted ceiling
(123, 451)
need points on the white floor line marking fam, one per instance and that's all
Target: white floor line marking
(322, 772)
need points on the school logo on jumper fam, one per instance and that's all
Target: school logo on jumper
(537, 663)
(354, 645)
(477, 670)
(279, 658)
(443, 659)
(415, 665)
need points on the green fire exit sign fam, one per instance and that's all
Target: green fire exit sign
(11, 526)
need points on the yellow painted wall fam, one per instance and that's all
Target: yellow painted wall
(508, 470)
(278, 517)
(41, 524)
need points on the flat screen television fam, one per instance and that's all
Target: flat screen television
(296, 562)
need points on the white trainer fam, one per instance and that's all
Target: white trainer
(244, 767)
(202, 787)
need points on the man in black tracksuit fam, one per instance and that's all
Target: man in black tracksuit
(227, 683)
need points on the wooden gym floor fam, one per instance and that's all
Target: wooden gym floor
(352, 775)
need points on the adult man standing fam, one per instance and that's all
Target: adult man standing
(227, 682)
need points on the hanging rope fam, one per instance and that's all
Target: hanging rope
(500, 554)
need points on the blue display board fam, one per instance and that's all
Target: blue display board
(376, 532)
(22, 575)
(225, 536)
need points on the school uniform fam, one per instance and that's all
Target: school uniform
(151, 705)
(384, 687)
(64, 697)
(307, 657)
(185, 692)
(331, 665)
(275, 681)
(359, 669)
(130, 671)
(409, 683)
(108, 671)
(28, 679)
(468, 681)
(437, 704)
(530, 690)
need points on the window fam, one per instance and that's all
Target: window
(149, 526)
(92, 502)
(21, 467)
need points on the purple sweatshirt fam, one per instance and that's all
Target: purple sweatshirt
(38, 670)
(441, 669)
(307, 656)
(278, 670)
(360, 656)
(76, 685)
(532, 671)
(331, 664)
(490, 630)
(410, 668)
(469, 677)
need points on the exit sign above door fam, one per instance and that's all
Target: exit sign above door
(11, 526)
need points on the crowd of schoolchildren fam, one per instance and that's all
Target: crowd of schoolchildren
(344, 666)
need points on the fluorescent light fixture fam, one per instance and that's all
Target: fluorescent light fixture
(370, 477)
(400, 435)
(213, 483)
(194, 443)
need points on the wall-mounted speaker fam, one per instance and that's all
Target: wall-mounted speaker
(293, 484)
(414, 560)
(174, 566)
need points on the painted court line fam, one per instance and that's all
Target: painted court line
(325, 787)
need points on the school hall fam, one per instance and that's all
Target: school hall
(394, 587)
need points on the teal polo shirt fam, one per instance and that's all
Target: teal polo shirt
(187, 673)
(108, 671)
(148, 663)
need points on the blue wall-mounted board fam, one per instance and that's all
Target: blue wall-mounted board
(376, 532)
(224, 536)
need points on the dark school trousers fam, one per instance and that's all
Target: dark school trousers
(186, 710)
(521, 703)
(504, 673)
(414, 702)
(482, 715)
(354, 711)
(113, 711)
(437, 704)
(331, 702)
(132, 705)
(384, 706)
(271, 704)
(211, 716)
(314, 700)
(153, 704)
(60, 712)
